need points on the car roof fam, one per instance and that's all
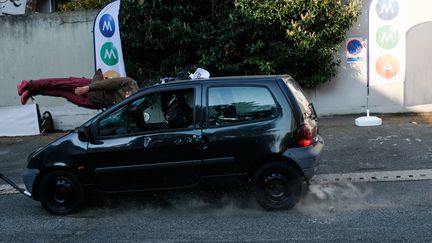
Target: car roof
(229, 78)
(238, 79)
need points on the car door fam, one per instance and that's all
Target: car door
(135, 149)
(241, 127)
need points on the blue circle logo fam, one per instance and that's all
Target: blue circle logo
(387, 9)
(107, 25)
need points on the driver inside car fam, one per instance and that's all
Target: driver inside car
(178, 113)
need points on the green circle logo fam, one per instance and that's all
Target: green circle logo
(109, 54)
(387, 37)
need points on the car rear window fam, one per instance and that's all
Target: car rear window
(299, 95)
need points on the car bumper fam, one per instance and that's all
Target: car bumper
(29, 177)
(307, 158)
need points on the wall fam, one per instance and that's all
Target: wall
(61, 45)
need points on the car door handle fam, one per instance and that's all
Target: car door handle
(201, 141)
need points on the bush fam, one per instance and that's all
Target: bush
(171, 38)
(162, 39)
(233, 37)
(309, 35)
(72, 5)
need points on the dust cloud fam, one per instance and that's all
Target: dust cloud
(317, 199)
(329, 198)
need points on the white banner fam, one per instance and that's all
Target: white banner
(107, 44)
(19, 120)
(387, 41)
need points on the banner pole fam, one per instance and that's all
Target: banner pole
(368, 120)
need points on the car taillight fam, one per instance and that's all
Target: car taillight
(304, 136)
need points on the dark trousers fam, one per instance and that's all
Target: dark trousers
(62, 87)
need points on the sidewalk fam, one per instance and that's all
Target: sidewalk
(403, 142)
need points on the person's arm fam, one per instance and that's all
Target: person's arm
(106, 84)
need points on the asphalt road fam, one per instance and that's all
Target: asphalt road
(341, 212)
(365, 212)
(403, 142)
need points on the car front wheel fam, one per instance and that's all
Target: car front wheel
(60, 192)
(277, 185)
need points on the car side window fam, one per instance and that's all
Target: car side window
(171, 109)
(230, 105)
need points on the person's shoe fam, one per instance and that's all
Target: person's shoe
(25, 96)
(22, 87)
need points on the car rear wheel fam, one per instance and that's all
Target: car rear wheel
(60, 192)
(277, 185)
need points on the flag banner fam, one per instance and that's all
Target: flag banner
(387, 41)
(107, 43)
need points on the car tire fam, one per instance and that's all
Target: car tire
(277, 185)
(60, 192)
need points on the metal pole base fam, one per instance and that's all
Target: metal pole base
(367, 121)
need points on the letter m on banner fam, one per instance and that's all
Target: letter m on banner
(107, 43)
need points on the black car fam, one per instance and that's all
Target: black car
(260, 130)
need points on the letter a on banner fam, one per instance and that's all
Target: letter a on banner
(107, 43)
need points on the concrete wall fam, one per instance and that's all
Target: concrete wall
(61, 45)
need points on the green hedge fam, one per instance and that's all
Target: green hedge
(234, 37)
(72, 5)
(309, 35)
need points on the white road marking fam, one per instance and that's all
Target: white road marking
(377, 176)
(7, 189)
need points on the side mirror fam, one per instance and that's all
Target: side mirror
(84, 133)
